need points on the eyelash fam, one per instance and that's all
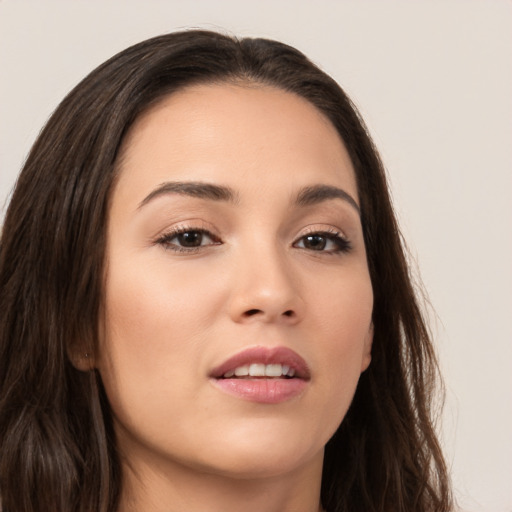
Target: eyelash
(342, 244)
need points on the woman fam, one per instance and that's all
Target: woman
(205, 301)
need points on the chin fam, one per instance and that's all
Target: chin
(264, 452)
(262, 466)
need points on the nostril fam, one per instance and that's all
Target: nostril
(289, 313)
(252, 312)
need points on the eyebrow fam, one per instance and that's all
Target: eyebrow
(316, 194)
(191, 189)
(307, 196)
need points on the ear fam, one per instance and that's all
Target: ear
(81, 360)
(367, 349)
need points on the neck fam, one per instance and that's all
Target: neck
(170, 487)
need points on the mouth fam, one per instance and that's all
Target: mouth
(263, 375)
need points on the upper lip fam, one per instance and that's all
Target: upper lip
(264, 355)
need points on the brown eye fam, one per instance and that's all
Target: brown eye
(187, 240)
(190, 239)
(329, 243)
(315, 242)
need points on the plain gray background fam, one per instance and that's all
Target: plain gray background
(433, 81)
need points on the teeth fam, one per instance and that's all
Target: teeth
(242, 371)
(261, 370)
(273, 370)
(257, 370)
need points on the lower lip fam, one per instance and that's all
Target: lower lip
(263, 391)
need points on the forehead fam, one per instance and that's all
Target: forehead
(228, 132)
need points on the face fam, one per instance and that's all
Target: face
(238, 300)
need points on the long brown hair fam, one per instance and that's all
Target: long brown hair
(57, 447)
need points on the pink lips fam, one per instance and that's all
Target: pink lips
(268, 390)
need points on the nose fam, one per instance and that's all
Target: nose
(266, 289)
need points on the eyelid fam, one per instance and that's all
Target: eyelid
(319, 229)
(192, 224)
(322, 228)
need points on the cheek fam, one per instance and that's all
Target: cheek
(156, 323)
(343, 309)
(149, 309)
(343, 344)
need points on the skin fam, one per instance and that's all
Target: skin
(171, 316)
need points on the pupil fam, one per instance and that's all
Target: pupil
(316, 242)
(190, 239)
